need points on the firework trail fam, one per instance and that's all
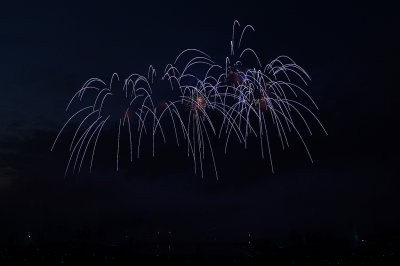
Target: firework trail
(132, 105)
(261, 93)
(249, 100)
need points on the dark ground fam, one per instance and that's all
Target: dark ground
(298, 250)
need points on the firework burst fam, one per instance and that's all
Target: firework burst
(246, 100)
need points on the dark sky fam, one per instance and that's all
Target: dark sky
(47, 51)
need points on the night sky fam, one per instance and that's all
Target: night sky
(47, 51)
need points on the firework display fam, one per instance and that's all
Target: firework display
(207, 100)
